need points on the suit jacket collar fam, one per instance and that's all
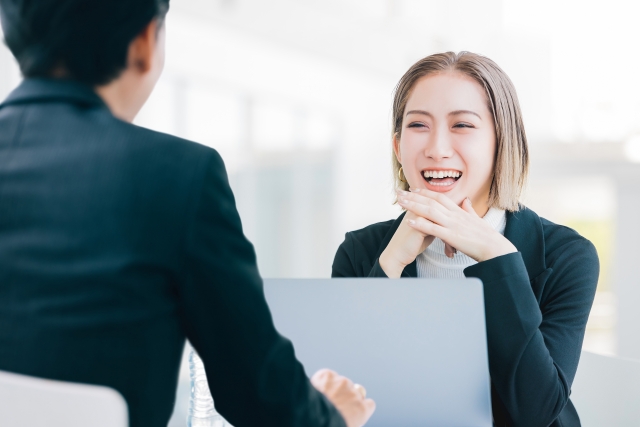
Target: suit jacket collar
(51, 90)
(523, 229)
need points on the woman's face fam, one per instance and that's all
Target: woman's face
(448, 142)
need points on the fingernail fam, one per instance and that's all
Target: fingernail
(412, 221)
(415, 190)
(399, 191)
(404, 201)
(469, 200)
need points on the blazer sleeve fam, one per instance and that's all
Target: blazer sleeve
(252, 371)
(343, 261)
(352, 262)
(534, 349)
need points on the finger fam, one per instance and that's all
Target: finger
(324, 373)
(421, 198)
(427, 211)
(322, 377)
(344, 383)
(428, 228)
(370, 406)
(468, 207)
(439, 197)
(449, 250)
(426, 201)
(361, 390)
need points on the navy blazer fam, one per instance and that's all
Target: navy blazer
(116, 244)
(537, 303)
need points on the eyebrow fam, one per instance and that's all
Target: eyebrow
(424, 113)
(453, 113)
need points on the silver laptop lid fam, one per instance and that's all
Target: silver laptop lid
(417, 345)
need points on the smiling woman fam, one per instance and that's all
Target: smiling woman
(460, 162)
(469, 101)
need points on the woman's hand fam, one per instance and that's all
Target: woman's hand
(405, 245)
(434, 214)
(403, 248)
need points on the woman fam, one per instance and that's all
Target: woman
(460, 161)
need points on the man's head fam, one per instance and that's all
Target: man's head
(101, 43)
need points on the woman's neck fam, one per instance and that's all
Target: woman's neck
(481, 206)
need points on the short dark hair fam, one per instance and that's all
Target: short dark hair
(87, 39)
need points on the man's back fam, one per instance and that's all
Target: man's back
(116, 242)
(92, 216)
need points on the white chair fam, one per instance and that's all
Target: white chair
(33, 402)
(606, 391)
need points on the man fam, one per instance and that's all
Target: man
(117, 242)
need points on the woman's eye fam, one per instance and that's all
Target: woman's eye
(416, 125)
(463, 125)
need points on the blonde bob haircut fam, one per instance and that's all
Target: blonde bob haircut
(512, 156)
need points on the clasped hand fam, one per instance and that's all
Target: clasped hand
(430, 215)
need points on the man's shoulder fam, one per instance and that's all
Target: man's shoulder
(170, 153)
(151, 139)
(174, 169)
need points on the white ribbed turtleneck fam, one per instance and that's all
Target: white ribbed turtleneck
(434, 264)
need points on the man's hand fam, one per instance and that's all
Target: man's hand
(348, 398)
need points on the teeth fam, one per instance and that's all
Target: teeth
(441, 174)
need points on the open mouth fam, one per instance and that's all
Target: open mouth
(441, 178)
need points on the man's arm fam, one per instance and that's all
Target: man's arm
(252, 371)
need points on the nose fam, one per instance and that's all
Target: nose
(438, 146)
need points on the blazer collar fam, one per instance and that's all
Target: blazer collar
(51, 90)
(523, 229)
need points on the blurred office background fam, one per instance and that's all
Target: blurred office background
(296, 96)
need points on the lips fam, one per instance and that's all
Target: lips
(441, 180)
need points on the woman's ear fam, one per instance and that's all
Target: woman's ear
(396, 146)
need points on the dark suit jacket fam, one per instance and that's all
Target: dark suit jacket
(537, 302)
(116, 243)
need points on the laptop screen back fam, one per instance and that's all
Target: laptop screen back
(417, 345)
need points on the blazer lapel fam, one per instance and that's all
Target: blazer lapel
(524, 230)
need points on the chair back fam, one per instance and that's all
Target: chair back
(606, 391)
(29, 401)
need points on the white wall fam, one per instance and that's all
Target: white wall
(270, 83)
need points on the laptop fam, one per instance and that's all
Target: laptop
(418, 346)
